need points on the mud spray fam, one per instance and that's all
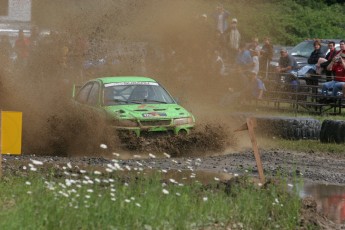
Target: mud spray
(179, 52)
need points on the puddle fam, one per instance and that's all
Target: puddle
(330, 200)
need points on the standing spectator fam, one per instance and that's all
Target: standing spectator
(266, 55)
(234, 38)
(22, 47)
(221, 17)
(5, 50)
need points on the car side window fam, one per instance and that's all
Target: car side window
(94, 95)
(84, 93)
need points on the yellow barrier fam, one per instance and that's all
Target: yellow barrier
(11, 132)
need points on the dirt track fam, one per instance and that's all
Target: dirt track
(310, 166)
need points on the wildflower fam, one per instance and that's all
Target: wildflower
(224, 170)
(116, 154)
(136, 156)
(127, 200)
(24, 167)
(246, 170)
(173, 181)
(82, 171)
(125, 184)
(89, 191)
(290, 185)
(235, 174)
(164, 170)
(205, 198)
(137, 204)
(216, 179)
(97, 180)
(167, 155)
(128, 168)
(132, 198)
(112, 194)
(178, 194)
(28, 183)
(165, 191)
(111, 180)
(35, 162)
(108, 170)
(87, 196)
(113, 190)
(113, 199)
(259, 184)
(164, 184)
(97, 172)
(276, 200)
(33, 169)
(151, 155)
(69, 165)
(103, 146)
(29, 192)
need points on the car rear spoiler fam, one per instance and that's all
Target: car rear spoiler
(76, 89)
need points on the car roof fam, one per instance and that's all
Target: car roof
(115, 79)
(324, 40)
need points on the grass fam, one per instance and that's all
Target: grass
(114, 200)
(308, 146)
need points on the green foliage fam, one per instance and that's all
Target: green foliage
(288, 22)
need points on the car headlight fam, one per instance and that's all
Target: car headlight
(183, 121)
(126, 123)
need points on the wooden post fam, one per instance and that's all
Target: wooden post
(250, 125)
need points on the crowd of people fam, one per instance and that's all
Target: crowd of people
(248, 61)
(330, 64)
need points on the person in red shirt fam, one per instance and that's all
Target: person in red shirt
(337, 66)
(21, 48)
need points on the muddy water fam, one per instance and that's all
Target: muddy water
(330, 199)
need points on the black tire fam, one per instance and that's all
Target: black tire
(332, 131)
(289, 128)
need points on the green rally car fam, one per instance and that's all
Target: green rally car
(137, 104)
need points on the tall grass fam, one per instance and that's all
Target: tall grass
(113, 200)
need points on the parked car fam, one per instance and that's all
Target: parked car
(135, 104)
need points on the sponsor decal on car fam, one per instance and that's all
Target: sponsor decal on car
(154, 114)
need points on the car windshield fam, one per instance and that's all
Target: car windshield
(305, 48)
(135, 93)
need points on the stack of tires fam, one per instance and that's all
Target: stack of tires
(332, 131)
(290, 128)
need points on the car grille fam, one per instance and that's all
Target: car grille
(155, 123)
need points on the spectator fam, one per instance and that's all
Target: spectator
(234, 38)
(266, 55)
(287, 64)
(244, 59)
(22, 47)
(221, 17)
(256, 87)
(255, 59)
(5, 50)
(244, 63)
(337, 65)
(312, 61)
(322, 63)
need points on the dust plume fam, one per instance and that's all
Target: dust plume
(176, 46)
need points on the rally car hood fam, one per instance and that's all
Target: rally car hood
(147, 111)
